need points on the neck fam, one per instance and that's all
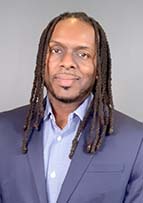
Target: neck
(62, 110)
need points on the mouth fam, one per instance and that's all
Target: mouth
(66, 80)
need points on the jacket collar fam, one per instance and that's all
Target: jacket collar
(35, 155)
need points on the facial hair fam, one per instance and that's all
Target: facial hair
(80, 97)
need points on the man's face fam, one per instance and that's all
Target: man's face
(71, 61)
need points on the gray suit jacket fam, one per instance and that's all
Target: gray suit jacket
(113, 175)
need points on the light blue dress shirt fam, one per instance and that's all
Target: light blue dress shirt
(57, 145)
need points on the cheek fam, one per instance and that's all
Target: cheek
(50, 66)
(90, 76)
(89, 72)
(50, 69)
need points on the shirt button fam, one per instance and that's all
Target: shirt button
(53, 174)
(59, 138)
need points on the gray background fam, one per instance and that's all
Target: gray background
(21, 23)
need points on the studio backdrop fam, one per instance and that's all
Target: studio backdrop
(21, 24)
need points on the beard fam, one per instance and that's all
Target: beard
(69, 100)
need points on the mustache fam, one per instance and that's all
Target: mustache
(68, 74)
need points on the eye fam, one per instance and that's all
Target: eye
(83, 55)
(55, 50)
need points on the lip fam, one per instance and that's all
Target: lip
(66, 80)
(63, 76)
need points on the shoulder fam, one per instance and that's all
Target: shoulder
(126, 124)
(13, 117)
(127, 137)
(126, 140)
(11, 131)
(14, 111)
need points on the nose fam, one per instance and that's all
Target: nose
(68, 61)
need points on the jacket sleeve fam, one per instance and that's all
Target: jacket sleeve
(134, 192)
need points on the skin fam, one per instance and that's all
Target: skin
(70, 67)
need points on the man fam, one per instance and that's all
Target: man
(71, 150)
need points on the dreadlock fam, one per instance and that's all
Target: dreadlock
(102, 105)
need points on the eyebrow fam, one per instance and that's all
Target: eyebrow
(78, 47)
(56, 42)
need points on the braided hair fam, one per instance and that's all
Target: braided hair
(102, 105)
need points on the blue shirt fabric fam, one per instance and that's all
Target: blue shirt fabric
(57, 144)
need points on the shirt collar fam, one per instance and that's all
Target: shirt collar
(80, 111)
(48, 109)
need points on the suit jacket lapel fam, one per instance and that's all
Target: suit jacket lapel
(79, 164)
(35, 154)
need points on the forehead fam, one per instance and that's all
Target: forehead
(74, 30)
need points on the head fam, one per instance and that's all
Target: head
(73, 60)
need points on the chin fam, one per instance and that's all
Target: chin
(67, 100)
(67, 96)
